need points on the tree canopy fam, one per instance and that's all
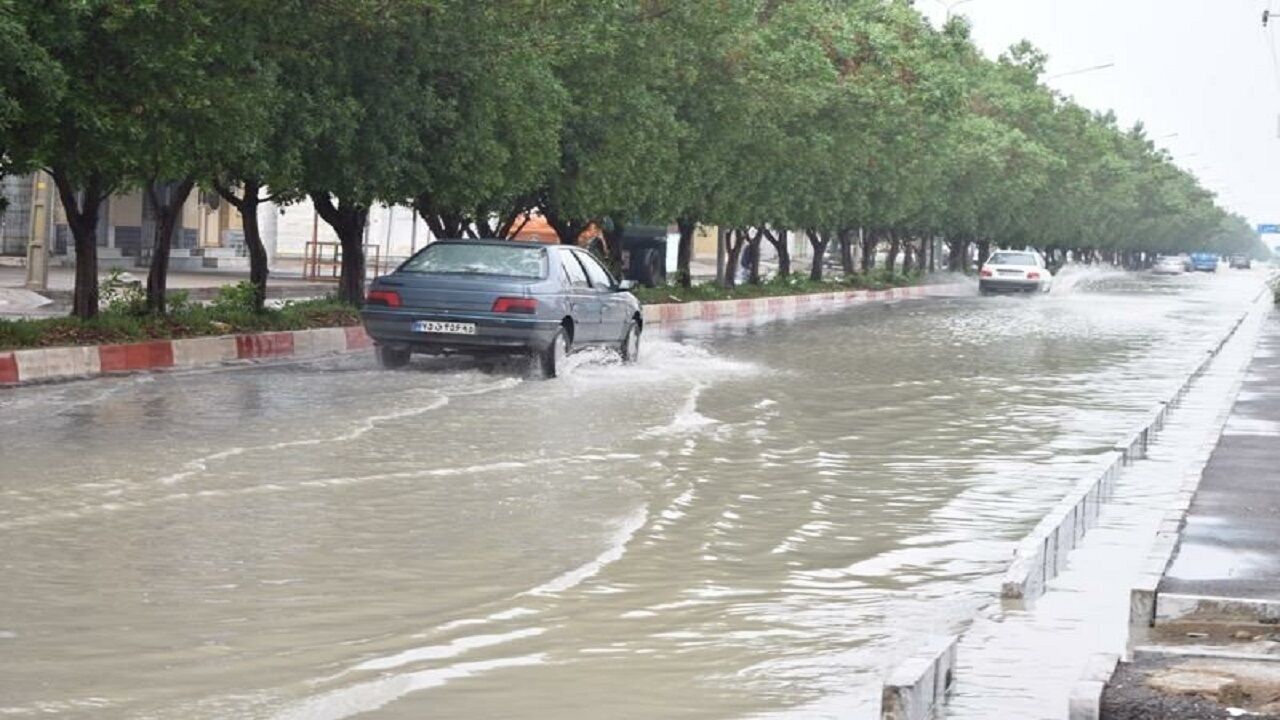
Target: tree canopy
(835, 119)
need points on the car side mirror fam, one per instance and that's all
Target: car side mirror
(626, 285)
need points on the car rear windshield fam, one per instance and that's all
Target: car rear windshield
(1002, 258)
(514, 260)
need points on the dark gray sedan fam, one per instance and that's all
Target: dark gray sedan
(498, 296)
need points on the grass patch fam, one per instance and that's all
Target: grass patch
(121, 321)
(774, 287)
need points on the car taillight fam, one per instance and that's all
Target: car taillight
(522, 306)
(1033, 276)
(985, 272)
(389, 298)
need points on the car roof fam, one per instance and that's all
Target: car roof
(489, 241)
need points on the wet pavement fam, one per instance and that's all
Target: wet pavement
(1230, 547)
(1024, 663)
(751, 522)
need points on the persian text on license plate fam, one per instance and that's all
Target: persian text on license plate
(446, 328)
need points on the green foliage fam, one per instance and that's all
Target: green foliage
(119, 296)
(237, 298)
(810, 115)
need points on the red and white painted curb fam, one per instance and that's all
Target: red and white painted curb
(20, 367)
(765, 308)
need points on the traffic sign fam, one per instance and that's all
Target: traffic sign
(1269, 229)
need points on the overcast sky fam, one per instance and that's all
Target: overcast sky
(1200, 69)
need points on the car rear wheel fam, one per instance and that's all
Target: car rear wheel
(552, 360)
(630, 349)
(391, 358)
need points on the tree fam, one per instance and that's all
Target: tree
(494, 137)
(87, 141)
(363, 98)
(31, 85)
(193, 74)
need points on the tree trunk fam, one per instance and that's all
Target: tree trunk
(613, 244)
(347, 220)
(247, 206)
(736, 240)
(688, 227)
(168, 212)
(779, 242)
(984, 252)
(870, 239)
(818, 241)
(753, 272)
(845, 238)
(567, 231)
(908, 253)
(82, 208)
(895, 247)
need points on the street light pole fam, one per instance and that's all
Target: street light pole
(1081, 71)
(951, 5)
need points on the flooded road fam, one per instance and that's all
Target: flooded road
(752, 522)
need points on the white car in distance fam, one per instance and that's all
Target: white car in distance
(1169, 265)
(1014, 271)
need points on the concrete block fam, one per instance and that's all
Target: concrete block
(1085, 700)
(1173, 607)
(320, 341)
(57, 363)
(195, 352)
(264, 345)
(136, 356)
(8, 369)
(918, 687)
(357, 338)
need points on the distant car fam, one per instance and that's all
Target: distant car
(1169, 265)
(1204, 262)
(1014, 271)
(1240, 262)
(497, 296)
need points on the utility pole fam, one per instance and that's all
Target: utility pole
(37, 243)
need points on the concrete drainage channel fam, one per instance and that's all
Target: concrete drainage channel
(917, 688)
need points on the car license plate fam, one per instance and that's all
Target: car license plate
(446, 328)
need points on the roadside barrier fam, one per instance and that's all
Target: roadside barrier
(21, 367)
(1043, 554)
(918, 687)
(786, 305)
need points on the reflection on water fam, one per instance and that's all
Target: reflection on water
(752, 520)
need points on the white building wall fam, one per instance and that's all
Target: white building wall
(396, 230)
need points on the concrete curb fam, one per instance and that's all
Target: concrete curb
(1144, 593)
(1085, 701)
(1175, 607)
(23, 367)
(788, 305)
(917, 687)
(1043, 553)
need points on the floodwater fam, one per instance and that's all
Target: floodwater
(754, 521)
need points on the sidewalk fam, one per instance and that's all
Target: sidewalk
(1213, 648)
(16, 301)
